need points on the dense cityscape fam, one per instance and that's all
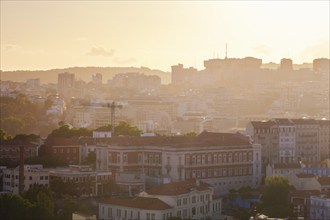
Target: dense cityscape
(208, 145)
(164, 110)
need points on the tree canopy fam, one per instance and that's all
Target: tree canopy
(123, 128)
(66, 131)
(275, 197)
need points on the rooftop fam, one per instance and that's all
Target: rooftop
(324, 180)
(178, 188)
(138, 202)
(305, 175)
(287, 166)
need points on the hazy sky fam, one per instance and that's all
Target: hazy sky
(46, 35)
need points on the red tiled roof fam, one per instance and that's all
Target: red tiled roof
(287, 166)
(16, 143)
(178, 188)
(303, 121)
(262, 124)
(138, 202)
(324, 122)
(283, 121)
(324, 180)
(205, 139)
(305, 175)
(304, 193)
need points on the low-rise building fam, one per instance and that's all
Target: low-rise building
(303, 181)
(192, 199)
(88, 182)
(9, 149)
(283, 169)
(320, 207)
(226, 161)
(33, 174)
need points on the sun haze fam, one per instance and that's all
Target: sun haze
(45, 35)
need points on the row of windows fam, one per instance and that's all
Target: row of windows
(219, 172)
(30, 177)
(128, 214)
(194, 199)
(218, 158)
(68, 150)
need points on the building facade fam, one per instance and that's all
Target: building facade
(33, 174)
(192, 199)
(291, 140)
(225, 161)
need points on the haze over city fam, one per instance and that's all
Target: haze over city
(37, 35)
(172, 110)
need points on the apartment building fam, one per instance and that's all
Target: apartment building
(33, 174)
(88, 182)
(320, 207)
(291, 140)
(9, 149)
(191, 199)
(226, 161)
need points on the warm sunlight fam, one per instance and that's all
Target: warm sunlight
(43, 35)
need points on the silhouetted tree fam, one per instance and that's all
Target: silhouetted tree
(4, 135)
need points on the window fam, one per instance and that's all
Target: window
(109, 212)
(209, 159)
(219, 158)
(215, 159)
(187, 160)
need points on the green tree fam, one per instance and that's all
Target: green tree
(65, 131)
(43, 200)
(4, 135)
(26, 137)
(67, 207)
(13, 125)
(91, 159)
(191, 134)
(275, 197)
(123, 128)
(15, 207)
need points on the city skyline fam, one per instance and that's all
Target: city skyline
(46, 35)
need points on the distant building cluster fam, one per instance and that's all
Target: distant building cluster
(291, 140)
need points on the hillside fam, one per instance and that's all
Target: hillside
(84, 73)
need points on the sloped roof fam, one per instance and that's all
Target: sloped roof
(205, 139)
(178, 188)
(324, 180)
(262, 124)
(138, 202)
(283, 121)
(305, 175)
(287, 166)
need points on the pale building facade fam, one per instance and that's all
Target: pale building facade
(33, 174)
(225, 161)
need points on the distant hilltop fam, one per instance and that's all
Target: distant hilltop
(83, 73)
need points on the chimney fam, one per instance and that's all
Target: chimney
(21, 170)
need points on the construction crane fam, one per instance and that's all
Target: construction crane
(113, 106)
